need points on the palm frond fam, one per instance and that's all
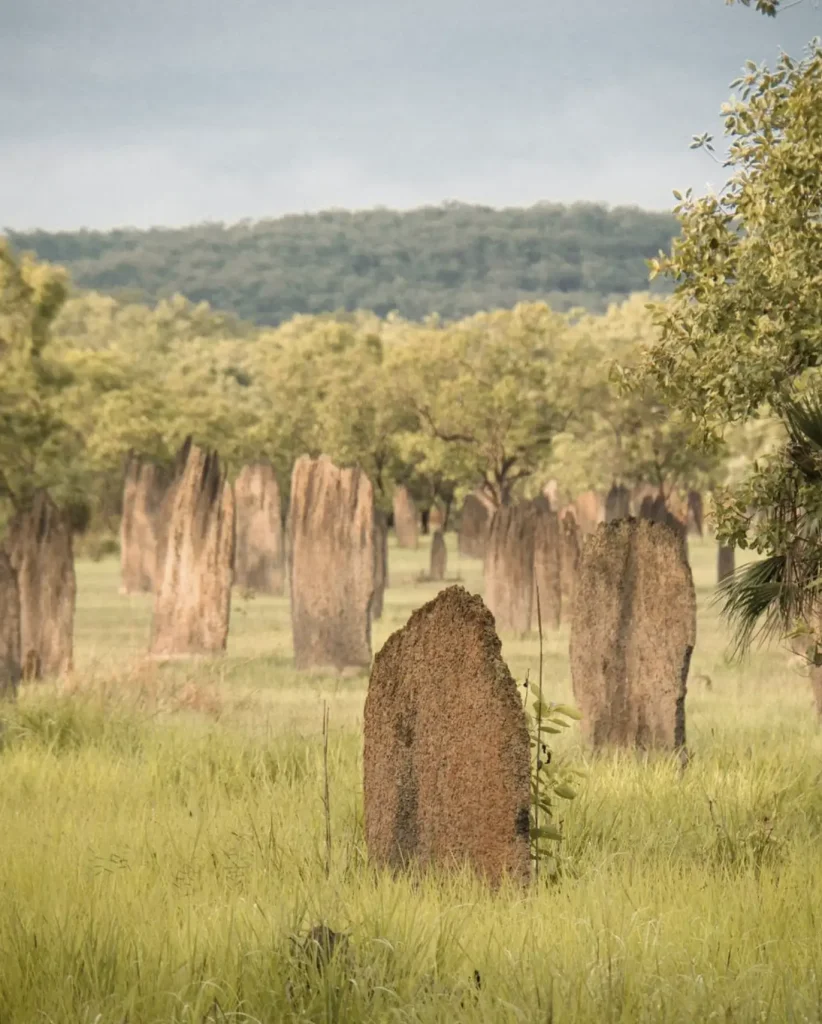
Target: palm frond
(770, 597)
(803, 419)
(758, 601)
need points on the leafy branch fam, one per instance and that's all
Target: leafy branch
(550, 778)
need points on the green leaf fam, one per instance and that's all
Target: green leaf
(568, 711)
(565, 791)
(546, 832)
(558, 720)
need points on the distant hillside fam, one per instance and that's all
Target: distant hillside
(453, 259)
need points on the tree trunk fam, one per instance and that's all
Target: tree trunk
(725, 562)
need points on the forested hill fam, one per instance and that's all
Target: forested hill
(453, 259)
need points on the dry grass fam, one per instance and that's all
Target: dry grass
(164, 843)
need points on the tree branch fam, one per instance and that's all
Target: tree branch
(441, 434)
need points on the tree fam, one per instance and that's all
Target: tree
(454, 259)
(36, 443)
(489, 394)
(332, 394)
(631, 437)
(146, 378)
(742, 335)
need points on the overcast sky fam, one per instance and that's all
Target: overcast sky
(141, 112)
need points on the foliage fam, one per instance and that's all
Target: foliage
(551, 778)
(631, 436)
(779, 595)
(332, 393)
(489, 393)
(741, 338)
(750, 442)
(745, 319)
(548, 780)
(453, 259)
(439, 407)
(767, 7)
(34, 436)
(746, 308)
(144, 379)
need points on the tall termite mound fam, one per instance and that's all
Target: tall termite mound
(333, 564)
(144, 488)
(39, 548)
(446, 753)
(192, 603)
(259, 557)
(633, 630)
(509, 567)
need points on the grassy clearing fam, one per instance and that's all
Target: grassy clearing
(163, 840)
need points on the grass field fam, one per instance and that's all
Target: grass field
(162, 845)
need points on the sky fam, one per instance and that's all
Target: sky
(170, 112)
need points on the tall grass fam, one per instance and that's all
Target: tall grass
(162, 849)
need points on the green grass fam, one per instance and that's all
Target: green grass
(162, 840)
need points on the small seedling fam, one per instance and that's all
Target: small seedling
(549, 779)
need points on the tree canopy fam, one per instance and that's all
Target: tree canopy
(631, 437)
(498, 400)
(34, 435)
(454, 260)
(741, 338)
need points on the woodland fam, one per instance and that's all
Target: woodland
(453, 259)
(501, 400)
(714, 386)
(174, 831)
